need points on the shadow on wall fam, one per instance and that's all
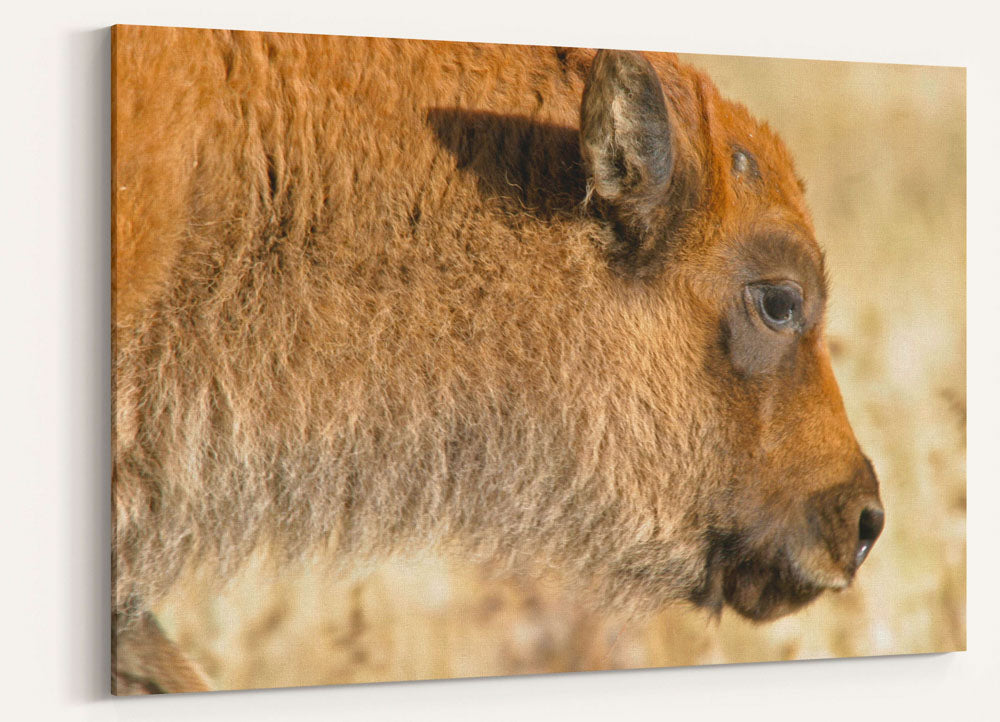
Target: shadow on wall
(86, 131)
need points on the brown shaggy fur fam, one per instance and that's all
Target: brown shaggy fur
(362, 302)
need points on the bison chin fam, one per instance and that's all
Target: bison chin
(758, 585)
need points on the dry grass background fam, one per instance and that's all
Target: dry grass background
(883, 151)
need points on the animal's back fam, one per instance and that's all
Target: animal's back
(299, 137)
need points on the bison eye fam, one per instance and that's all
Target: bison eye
(779, 305)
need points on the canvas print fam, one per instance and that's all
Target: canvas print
(442, 359)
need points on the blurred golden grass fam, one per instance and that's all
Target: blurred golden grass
(883, 151)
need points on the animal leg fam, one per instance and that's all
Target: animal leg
(145, 661)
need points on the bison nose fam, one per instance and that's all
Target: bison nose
(869, 527)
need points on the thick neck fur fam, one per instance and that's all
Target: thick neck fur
(390, 322)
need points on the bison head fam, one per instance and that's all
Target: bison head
(703, 213)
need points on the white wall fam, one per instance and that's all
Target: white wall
(54, 287)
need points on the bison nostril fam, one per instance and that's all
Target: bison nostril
(869, 527)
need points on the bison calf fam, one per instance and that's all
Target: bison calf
(546, 306)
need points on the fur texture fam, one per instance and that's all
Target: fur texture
(361, 304)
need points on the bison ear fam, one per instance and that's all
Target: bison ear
(627, 146)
